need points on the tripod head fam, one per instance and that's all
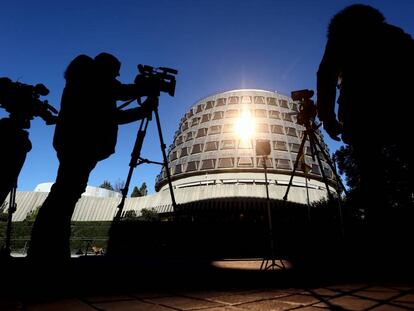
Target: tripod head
(307, 109)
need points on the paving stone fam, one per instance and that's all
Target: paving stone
(183, 303)
(268, 305)
(347, 287)
(387, 307)
(132, 305)
(406, 301)
(234, 299)
(377, 293)
(310, 308)
(66, 304)
(107, 298)
(324, 292)
(348, 302)
(9, 305)
(299, 299)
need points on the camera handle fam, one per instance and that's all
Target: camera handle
(137, 160)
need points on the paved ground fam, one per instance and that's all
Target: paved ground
(229, 286)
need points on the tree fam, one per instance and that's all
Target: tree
(139, 192)
(3, 213)
(135, 192)
(143, 189)
(106, 185)
(31, 216)
(347, 165)
(149, 215)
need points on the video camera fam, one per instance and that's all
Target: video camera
(161, 79)
(22, 102)
(307, 109)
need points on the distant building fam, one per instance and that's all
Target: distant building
(213, 156)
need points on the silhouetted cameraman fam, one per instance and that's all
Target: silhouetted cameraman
(372, 62)
(86, 133)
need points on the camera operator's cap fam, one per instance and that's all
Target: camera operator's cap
(108, 62)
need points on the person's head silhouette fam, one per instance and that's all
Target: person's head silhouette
(355, 19)
(108, 64)
(79, 69)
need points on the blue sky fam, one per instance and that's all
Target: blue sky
(216, 45)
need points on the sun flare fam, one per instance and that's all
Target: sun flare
(245, 125)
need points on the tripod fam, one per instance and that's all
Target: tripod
(13, 135)
(137, 160)
(316, 150)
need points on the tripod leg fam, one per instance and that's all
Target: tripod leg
(333, 168)
(315, 152)
(300, 151)
(165, 160)
(135, 155)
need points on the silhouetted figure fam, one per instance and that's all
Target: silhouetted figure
(372, 63)
(86, 133)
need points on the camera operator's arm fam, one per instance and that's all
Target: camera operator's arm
(327, 79)
(134, 114)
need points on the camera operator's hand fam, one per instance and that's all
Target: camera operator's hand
(333, 128)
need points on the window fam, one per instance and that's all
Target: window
(190, 135)
(173, 155)
(269, 162)
(233, 100)
(277, 129)
(195, 121)
(184, 152)
(271, 101)
(199, 108)
(202, 132)
(294, 148)
(220, 102)
(291, 131)
(245, 162)
(205, 118)
(211, 146)
(209, 104)
(208, 164)
(283, 164)
(246, 100)
(308, 151)
(262, 128)
(178, 169)
(228, 128)
(192, 166)
(226, 163)
(259, 100)
(328, 172)
(274, 114)
(215, 129)
(218, 115)
(260, 113)
(295, 107)
(280, 145)
(179, 140)
(189, 114)
(185, 126)
(245, 144)
(228, 144)
(315, 169)
(283, 103)
(232, 113)
(287, 117)
(197, 148)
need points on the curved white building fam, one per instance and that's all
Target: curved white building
(212, 148)
(213, 158)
